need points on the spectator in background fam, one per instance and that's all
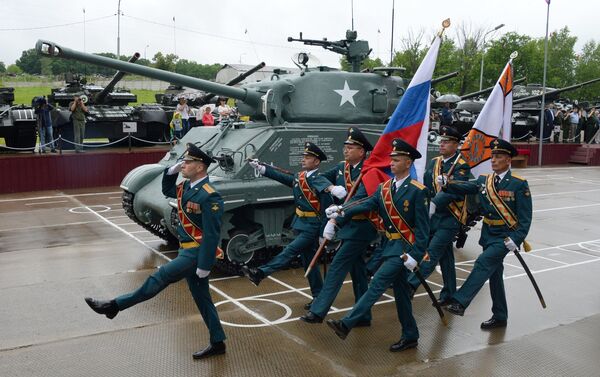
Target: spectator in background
(223, 108)
(573, 124)
(559, 125)
(446, 119)
(44, 122)
(591, 125)
(78, 111)
(548, 122)
(207, 118)
(176, 127)
(184, 110)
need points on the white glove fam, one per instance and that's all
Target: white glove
(432, 208)
(329, 231)
(257, 166)
(175, 169)
(334, 211)
(410, 263)
(338, 191)
(441, 180)
(510, 244)
(202, 273)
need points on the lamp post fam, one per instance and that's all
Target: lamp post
(145, 48)
(482, 54)
(119, 30)
(83, 29)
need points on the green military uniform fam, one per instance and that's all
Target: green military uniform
(411, 201)
(207, 218)
(307, 223)
(515, 194)
(443, 223)
(356, 235)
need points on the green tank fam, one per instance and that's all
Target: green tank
(317, 105)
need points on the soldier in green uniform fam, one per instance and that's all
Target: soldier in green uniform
(356, 234)
(402, 204)
(505, 202)
(446, 211)
(200, 208)
(311, 195)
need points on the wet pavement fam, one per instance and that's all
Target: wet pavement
(57, 247)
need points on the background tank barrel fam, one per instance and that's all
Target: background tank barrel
(100, 97)
(241, 77)
(52, 49)
(444, 77)
(487, 90)
(553, 94)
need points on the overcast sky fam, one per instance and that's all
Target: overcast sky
(250, 31)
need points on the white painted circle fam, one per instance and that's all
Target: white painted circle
(89, 209)
(288, 312)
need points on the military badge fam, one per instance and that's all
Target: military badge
(215, 207)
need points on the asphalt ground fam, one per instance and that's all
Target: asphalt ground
(58, 247)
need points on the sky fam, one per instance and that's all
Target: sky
(251, 31)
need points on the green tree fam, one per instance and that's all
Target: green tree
(29, 62)
(165, 62)
(14, 69)
(2, 67)
(588, 68)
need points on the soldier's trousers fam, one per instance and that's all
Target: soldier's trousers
(305, 245)
(184, 266)
(392, 271)
(349, 258)
(487, 266)
(440, 250)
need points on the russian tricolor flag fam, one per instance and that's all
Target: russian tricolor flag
(410, 122)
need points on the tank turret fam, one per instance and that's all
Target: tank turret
(101, 97)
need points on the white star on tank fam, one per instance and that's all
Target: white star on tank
(346, 94)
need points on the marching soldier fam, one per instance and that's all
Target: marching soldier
(311, 196)
(507, 209)
(446, 211)
(402, 205)
(355, 235)
(199, 208)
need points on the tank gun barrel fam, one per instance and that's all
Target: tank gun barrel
(52, 49)
(241, 77)
(100, 97)
(444, 77)
(487, 90)
(553, 94)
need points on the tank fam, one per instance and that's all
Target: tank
(108, 109)
(18, 122)
(317, 105)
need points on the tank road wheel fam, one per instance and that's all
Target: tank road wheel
(243, 247)
(235, 250)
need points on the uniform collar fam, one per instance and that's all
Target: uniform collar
(399, 182)
(309, 173)
(446, 159)
(192, 184)
(502, 175)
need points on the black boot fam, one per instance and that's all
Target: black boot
(338, 326)
(212, 350)
(492, 323)
(107, 307)
(308, 304)
(403, 344)
(311, 317)
(443, 303)
(254, 274)
(456, 309)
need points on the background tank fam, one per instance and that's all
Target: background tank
(17, 122)
(108, 109)
(315, 105)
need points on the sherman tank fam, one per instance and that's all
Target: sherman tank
(107, 110)
(18, 127)
(317, 105)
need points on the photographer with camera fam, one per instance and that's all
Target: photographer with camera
(78, 111)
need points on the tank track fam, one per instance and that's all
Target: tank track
(156, 229)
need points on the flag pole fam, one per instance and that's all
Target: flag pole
(542, 111)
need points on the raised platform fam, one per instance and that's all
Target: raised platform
(552, 153)
(70, 170)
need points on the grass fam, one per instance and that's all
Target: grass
(23, 95)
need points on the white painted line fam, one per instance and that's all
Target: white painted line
(541, 257)
(564, 193)
(563, 208)
(434, 283)
(512, 265)
(50, 226)
(136, 231)
(56, 196)
(290, 287)
(115, 217)
(42, 203)
(115, 197)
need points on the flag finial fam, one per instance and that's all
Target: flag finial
(445, 25)
(514, 55)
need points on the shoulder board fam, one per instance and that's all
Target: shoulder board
(461, 161)
(418, 184)
(208, 188)
(483, 175)
(518, 177)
